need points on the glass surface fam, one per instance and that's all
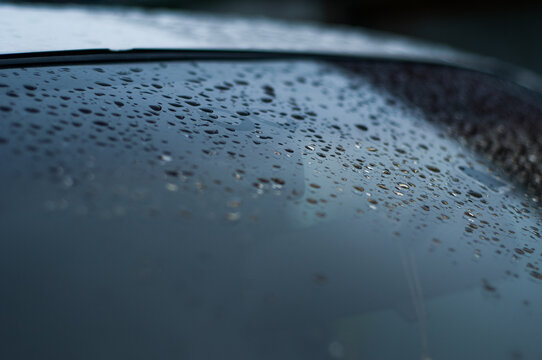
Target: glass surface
(268, 210)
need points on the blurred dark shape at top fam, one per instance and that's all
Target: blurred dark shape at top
(508, 31)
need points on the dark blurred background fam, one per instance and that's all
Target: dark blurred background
(509, 31)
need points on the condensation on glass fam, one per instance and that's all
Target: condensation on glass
(268, 210)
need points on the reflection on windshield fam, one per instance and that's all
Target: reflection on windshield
(264, 210)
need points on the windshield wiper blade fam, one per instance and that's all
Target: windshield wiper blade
(504, 71)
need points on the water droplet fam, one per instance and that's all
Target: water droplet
(358, 189)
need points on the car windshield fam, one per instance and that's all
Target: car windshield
(270, 209)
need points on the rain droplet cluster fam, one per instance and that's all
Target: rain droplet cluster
(282, 182)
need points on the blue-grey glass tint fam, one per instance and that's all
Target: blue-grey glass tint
(268, 210)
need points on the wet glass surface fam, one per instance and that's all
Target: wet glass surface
(268, 209)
